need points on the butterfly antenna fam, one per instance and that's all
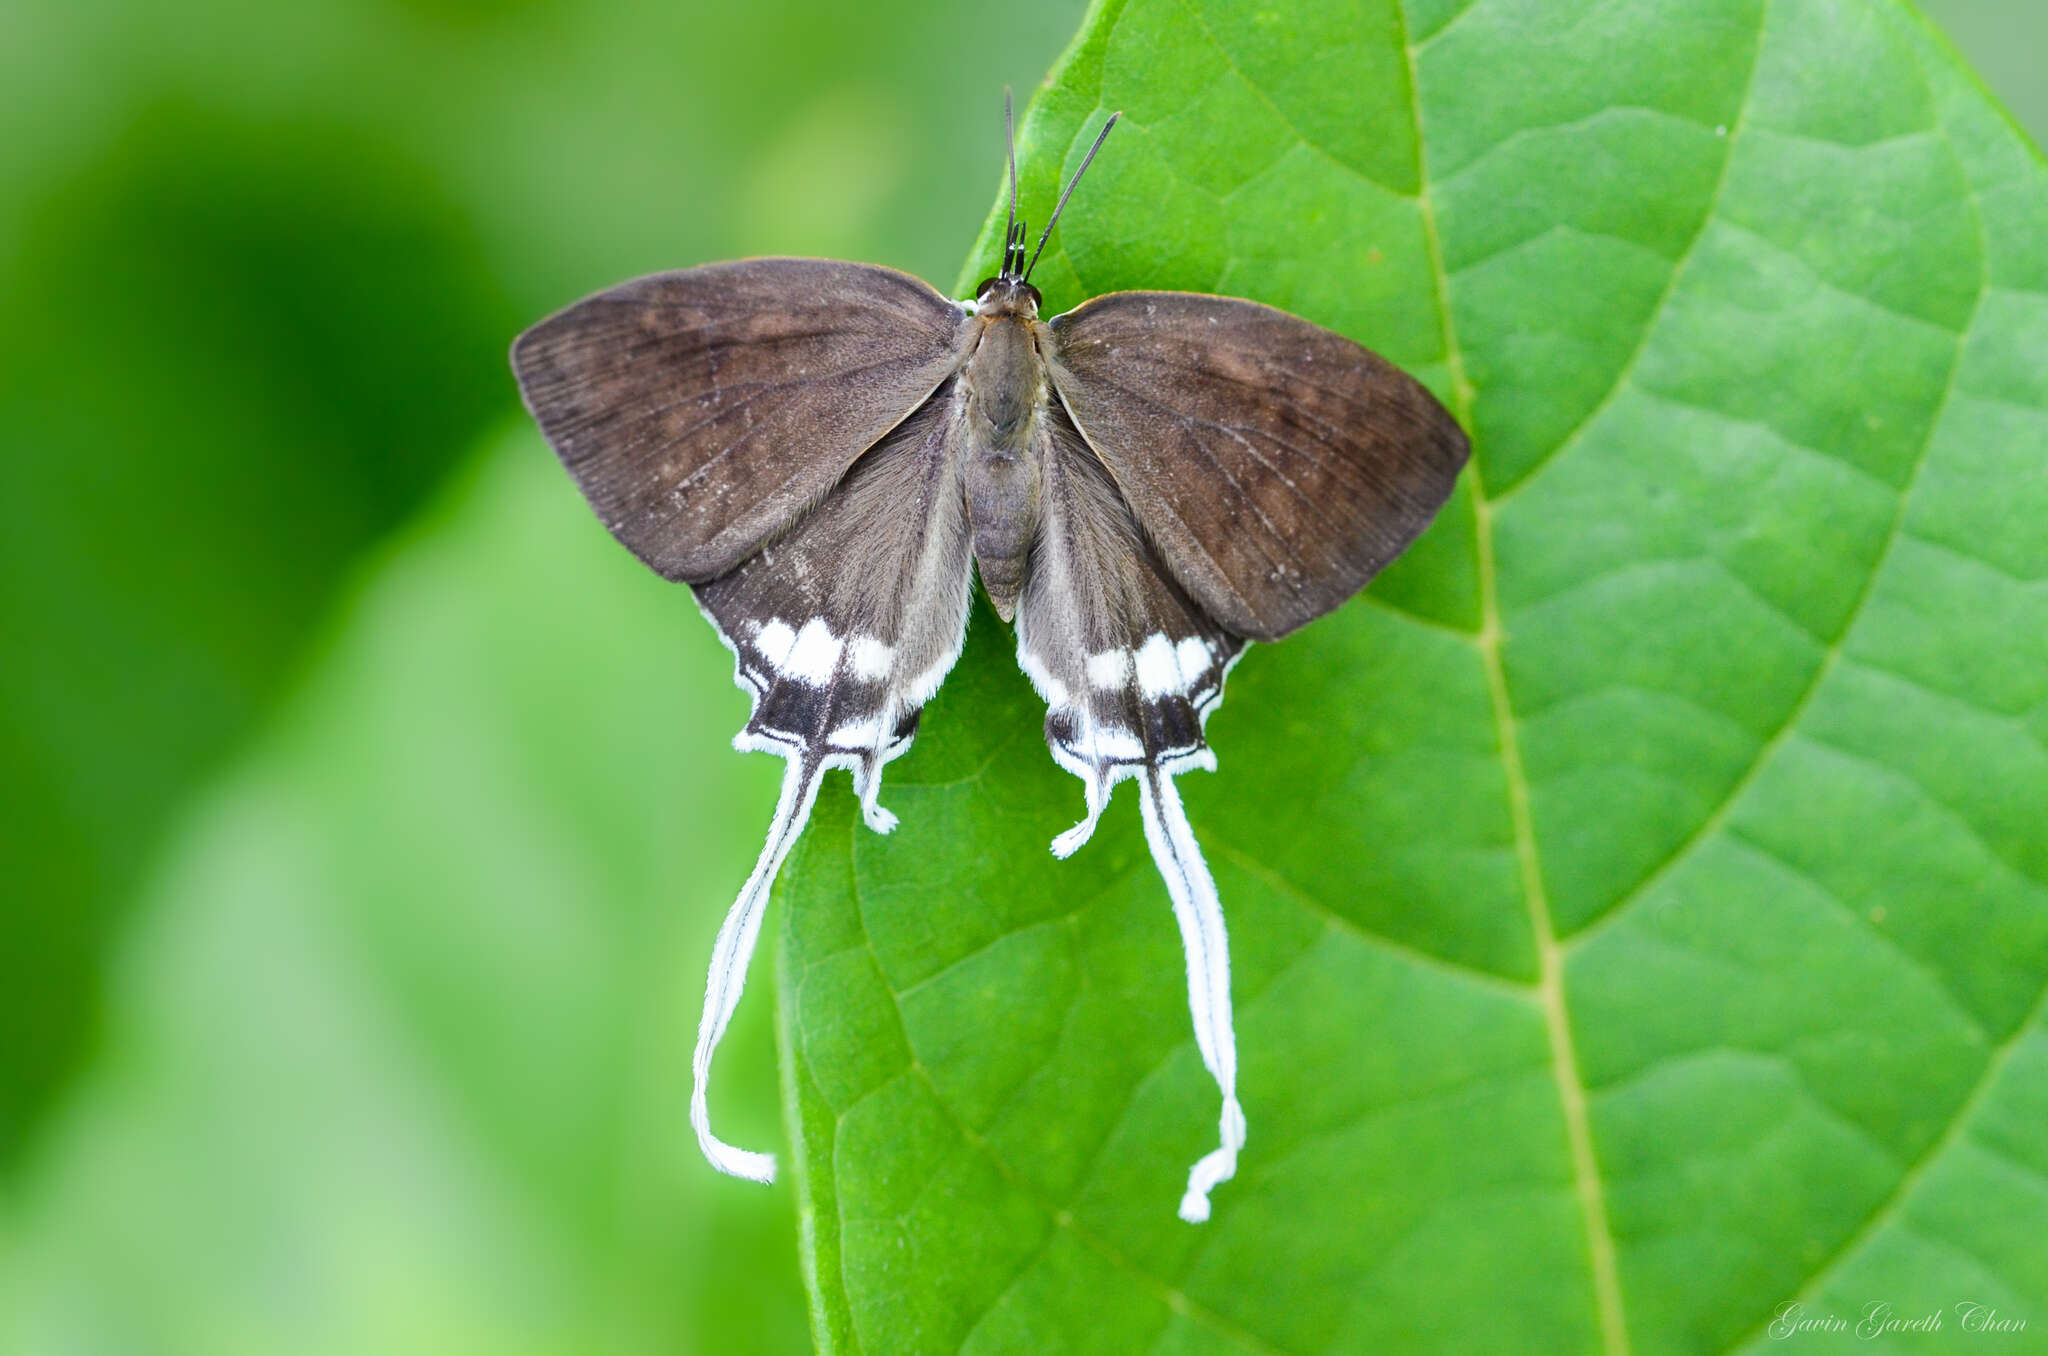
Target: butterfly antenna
(1061, 206)
(1011, 254)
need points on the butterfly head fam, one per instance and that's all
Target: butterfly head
(1008, 293)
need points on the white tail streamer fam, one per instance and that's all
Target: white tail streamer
(1200, 915)
(729, 957)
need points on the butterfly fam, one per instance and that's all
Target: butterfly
(828, 454)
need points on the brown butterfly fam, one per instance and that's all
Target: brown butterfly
(826, 453)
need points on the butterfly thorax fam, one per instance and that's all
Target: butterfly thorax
(1002, 396)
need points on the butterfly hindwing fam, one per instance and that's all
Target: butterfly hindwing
(1278, 466)
(703, 411)
(844, 628)
(1131, 666)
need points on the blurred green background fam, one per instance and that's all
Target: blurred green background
(321, 1032)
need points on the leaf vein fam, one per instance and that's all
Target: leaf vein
(1628, 367)
(1413, 955)
(1887, 1210)
(1059, 1216)
(1768, 752)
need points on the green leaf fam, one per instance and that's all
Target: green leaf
(1639, 899)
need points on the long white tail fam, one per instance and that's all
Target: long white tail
(1200, 915)
(729, 957)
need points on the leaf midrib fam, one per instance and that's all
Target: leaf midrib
(1571, 1089)
(1552, 952)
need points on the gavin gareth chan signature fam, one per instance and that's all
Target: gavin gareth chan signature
(1879, 1318)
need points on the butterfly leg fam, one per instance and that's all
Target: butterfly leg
(729, 958)
(867, 777)
(1207, 946)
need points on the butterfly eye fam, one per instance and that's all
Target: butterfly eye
(981, 290)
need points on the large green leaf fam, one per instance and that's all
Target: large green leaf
(1640, 898)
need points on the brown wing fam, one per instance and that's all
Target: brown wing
(702, 412)
(1277, 466)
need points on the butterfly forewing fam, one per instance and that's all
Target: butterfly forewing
(1277, 466)
(702, 412)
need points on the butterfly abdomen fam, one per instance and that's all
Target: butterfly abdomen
(1002, 504)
